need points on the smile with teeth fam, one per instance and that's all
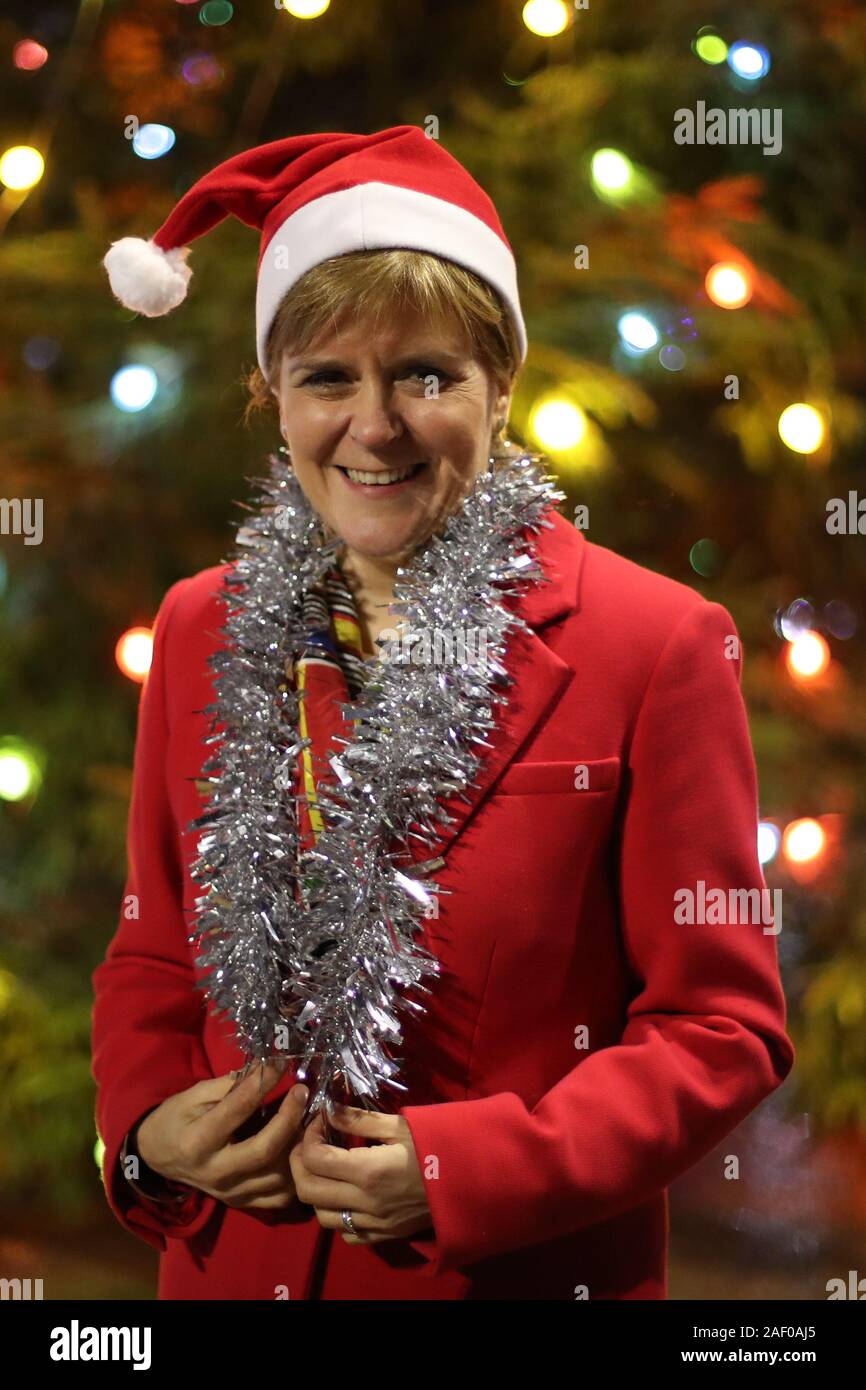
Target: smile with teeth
(395, 475)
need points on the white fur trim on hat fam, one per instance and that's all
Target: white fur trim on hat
(146, 278)
(375, 216)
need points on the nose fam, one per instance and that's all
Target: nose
(375, 422)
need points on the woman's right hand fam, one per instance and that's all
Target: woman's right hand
(189, 1139)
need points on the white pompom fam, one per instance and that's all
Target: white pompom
(146, 278)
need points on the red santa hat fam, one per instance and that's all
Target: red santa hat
(318, 196)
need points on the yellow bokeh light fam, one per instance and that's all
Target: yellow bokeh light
(21, 167)
(729, 285)
(19, 771)
(801, 427)
(134, 651)
(557, 424)
(710, 48)
(803, 840)
(546, 17)
(305, 9)
(612, 171)
(807, 656)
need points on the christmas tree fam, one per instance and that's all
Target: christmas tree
(693, 284)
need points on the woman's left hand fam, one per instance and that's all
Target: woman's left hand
(381, 1184)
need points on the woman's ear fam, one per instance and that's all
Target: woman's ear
(502, 409)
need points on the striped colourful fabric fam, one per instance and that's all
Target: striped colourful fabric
(330, 670)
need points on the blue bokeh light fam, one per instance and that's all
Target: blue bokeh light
(152, 141)
(749, 60)
(134, 387)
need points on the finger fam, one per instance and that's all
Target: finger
(369, 1124)
(314, 1150)
(328, 1160)
(217, 1125)
(331, 1196)
(264, 1149)
(362, 1221)
(268, 1184)
(217, 1087)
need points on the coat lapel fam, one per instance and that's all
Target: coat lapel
(539, 677)
(539, 680)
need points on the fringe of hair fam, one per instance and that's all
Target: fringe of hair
(373, 284)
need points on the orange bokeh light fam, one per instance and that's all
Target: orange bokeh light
(808, 656)
(803, 841)
(728, 284)
(134, 651)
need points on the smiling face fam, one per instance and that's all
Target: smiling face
(381, 401)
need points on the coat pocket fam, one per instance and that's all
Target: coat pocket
(580, 776)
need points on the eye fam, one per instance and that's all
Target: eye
(319, 379)
(422, 370)
(427, 369)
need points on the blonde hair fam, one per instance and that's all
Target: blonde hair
(370, 285)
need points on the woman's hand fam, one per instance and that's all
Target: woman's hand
(381, 1185)
(189, 1139)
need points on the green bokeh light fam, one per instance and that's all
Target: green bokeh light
(216, 12)
(705, 558)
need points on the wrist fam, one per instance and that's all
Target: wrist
(137, 1134)
(145, 1181)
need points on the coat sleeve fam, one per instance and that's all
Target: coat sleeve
(705, 1035)
(147, 1020)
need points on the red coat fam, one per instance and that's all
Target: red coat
(581, 1048)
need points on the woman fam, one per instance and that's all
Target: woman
(582, 1044)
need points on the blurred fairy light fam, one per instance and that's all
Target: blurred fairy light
(134, 387)
(152, 141)
(709, 47)
(672, 358)
(749, 60)
(637, 331)
(28, 55)
(201, 70)
(840, 619)
(612, 171)
(547, 18)
(557, 424)
(41, 353)
(216, 12)
(769, 840)
(705, 557)
(807, 656)
(801, 428)
(803, 840)
(20, 771)
(797, 618)
(729, 285)
(133, 652)
(21, 167)
(305, 9)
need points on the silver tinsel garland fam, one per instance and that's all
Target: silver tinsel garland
(316, 958)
